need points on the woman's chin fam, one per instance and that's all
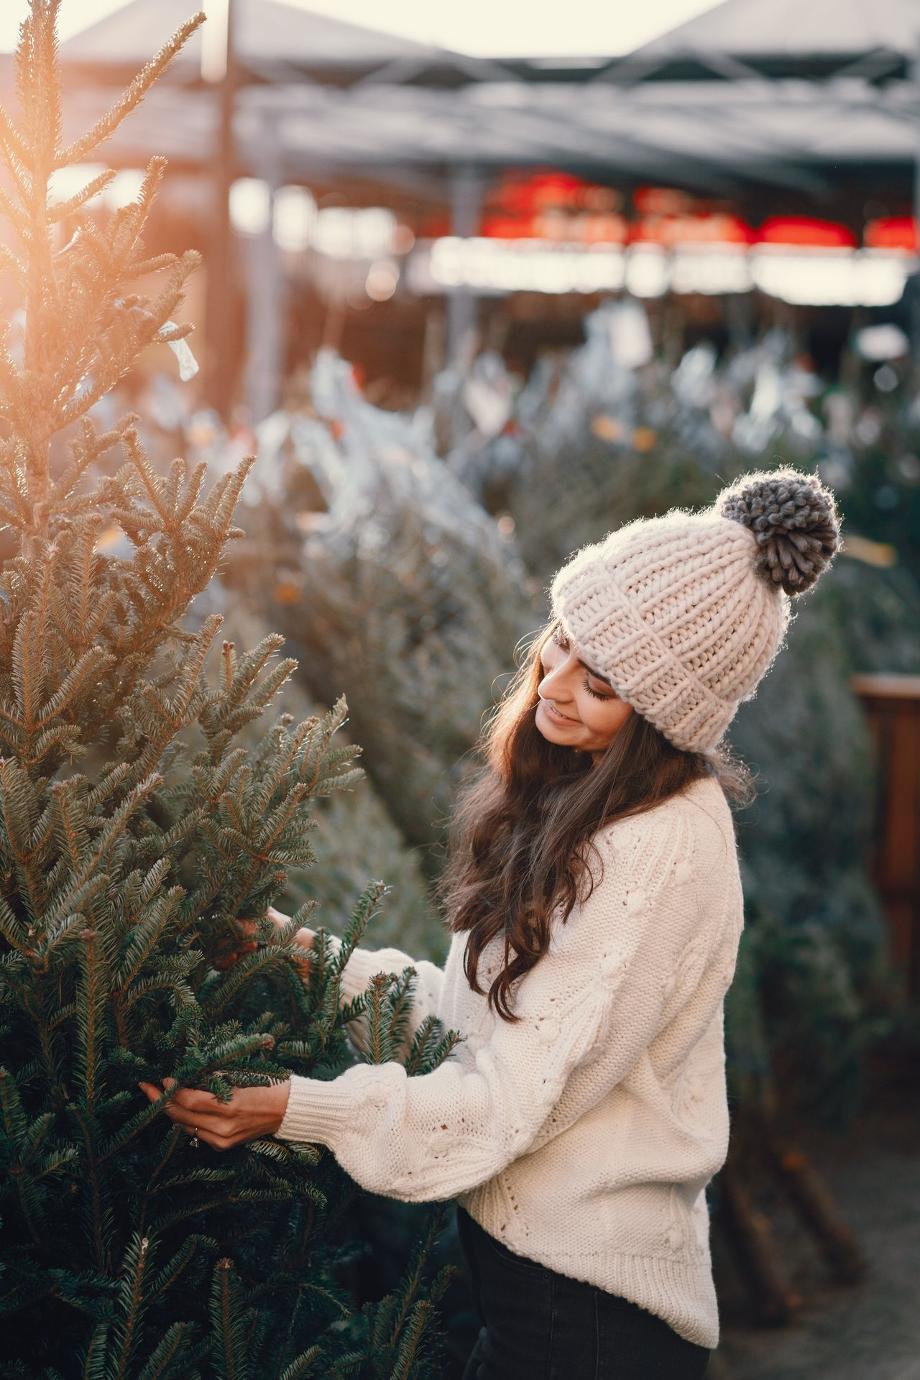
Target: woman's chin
(552, 729)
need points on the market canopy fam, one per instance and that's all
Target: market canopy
(272, 41)
(784, 38)
(394, 126)
(713, 137)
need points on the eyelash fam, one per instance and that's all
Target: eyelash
(596, 693)
(562, 643)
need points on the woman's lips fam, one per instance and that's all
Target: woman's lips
(554, 712)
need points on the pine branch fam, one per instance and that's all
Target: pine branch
(66, 915)
(18, 811)
(169, 1273)
(231, 986)
(128, 222)
(12, 928)
(140, 268)
(62, 209)
(168, 1353)
(407, 1352)
(40, 101)
(302, 1365)
(16, 215)
(214, 782)
(418, 1052)
(135, 1124)
(242, 678)
(11, 141)
(414, 1276)
(87, 859)
(379, 1046)
(27, 665)
(358, 921)
(94, 662)
(92, 999)
(146, 935)
(85, 450)
(134, 1299)
(9, 260)
(80, 149)
(13, 457)
(229, 1322)
(209, 1177)
(59, 742)
(117, 340)
(16, 1128)
(399, 1004)
(99, 1207)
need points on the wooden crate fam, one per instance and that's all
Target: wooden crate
(892, 705)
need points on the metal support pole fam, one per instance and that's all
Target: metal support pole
(466, 204)
(219, 258)
(913, 282)
(265, 315)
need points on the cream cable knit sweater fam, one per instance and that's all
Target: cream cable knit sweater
(584, 1136)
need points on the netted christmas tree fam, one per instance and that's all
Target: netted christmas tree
(396, 585)
(137, 831)
(596, 432)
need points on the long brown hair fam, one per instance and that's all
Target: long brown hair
(518, 835)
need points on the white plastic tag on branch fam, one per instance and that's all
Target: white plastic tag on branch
(188, 364)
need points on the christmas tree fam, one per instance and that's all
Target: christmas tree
(138, 836)
(396, 584)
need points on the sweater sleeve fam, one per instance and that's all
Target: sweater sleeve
(363, 964)
(604, 982)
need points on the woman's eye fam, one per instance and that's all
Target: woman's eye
(562, 642)
(596, 693)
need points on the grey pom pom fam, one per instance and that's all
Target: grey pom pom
(794, 519)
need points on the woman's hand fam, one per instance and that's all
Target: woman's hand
(250, 1114)
(231, 953)
(304, 937)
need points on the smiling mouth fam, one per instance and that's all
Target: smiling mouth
(563, 718)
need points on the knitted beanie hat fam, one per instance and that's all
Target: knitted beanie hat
(685, 613)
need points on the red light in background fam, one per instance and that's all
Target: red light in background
(716, 228)
(892, 232)
(806, 232)
(663, 201)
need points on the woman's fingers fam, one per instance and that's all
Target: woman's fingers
(304, 936)
(250, 1113)
(231, 949)
(190, 1099)
(227, 960)
(193, 1110)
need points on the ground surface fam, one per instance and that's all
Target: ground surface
(870, 1331)
(866, 1332)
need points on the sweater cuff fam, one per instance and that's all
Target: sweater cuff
(315, 1111)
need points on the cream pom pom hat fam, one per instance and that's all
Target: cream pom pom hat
(685, 613)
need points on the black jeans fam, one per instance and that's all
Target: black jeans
(540, 1325)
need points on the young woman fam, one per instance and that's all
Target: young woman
(593, 893)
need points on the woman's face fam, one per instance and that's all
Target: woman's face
(593, 711)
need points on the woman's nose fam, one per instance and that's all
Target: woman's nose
(555, 680)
